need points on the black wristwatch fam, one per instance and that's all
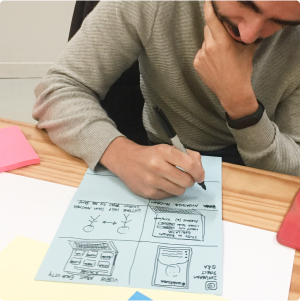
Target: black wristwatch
(246, 121)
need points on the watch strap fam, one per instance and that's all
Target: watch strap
(246, 121)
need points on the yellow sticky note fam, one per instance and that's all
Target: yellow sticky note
(21, 259)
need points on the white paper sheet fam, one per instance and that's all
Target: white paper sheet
(256, 267)
(31, 208)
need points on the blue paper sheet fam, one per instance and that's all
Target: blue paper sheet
(109, 236)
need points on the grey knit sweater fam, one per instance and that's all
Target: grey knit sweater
(165, 37)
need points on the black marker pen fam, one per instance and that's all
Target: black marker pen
(169, 130)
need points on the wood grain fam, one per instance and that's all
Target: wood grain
(251, 197)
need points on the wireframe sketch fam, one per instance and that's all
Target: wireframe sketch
(113, 223)
(90, 227)
(171, 267)
(175, 223)
(211, 285)
(92, 258)
(124, 229)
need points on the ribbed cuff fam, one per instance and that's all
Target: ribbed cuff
(96, 139)
(256, 138)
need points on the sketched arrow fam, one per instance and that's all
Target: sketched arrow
(105, 222)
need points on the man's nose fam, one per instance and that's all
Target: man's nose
(250, 31)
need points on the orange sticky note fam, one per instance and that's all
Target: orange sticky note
(15, 150)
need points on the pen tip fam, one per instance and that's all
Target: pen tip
(202, 185)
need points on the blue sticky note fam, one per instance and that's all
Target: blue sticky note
(138, 296)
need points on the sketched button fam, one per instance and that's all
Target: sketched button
(211, 285)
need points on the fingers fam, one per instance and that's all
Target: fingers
(207, 33)
(191, 164)
(163, 184)
(151, 172)
(163, 167)
(159, 195)
(200, 170)
(215, 26)
(158, 187)
(179, 177)
(154, 194)
(173, 182)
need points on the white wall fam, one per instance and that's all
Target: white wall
(32, 35)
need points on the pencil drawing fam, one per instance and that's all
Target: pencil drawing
(177, 223)
(124, 229)
(95, 257)
(90, 227)
(171, 267)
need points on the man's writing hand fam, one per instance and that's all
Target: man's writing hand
(226, 67)
(150, 171)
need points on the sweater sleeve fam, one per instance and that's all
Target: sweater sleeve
(274, 145)
(67, 99)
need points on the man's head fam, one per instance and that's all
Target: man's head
(251, 21)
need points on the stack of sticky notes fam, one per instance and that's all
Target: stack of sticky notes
(15, 150)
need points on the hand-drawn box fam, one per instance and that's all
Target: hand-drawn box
(92, 258)
(171, 267)
(175, 223)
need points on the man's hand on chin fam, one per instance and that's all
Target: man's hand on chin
(226, 67)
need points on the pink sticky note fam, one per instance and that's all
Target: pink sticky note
(15, 150)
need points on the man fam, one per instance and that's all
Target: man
(228, 78)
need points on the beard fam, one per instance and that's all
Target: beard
(223, 19)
